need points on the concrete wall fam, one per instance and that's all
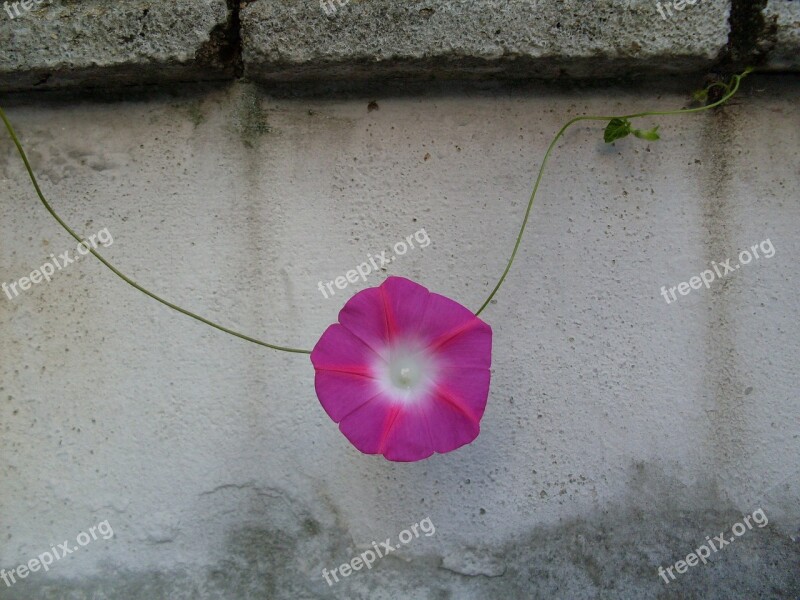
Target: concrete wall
(620, 432)
(94, 43)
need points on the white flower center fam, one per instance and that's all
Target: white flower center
(407, 374)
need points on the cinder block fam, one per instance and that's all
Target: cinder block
(97, 42)
(783, 21)
(307, 40)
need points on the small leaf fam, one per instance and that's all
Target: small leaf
(700, 95)
(616, 129)
(650, 134)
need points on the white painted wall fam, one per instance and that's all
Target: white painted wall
(649, 424)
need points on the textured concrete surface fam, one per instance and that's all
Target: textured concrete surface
(297, 39)
(93, 43)
(621, 431)
(783, 18)
(96, 43)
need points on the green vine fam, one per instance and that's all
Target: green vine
(617, 128)
(116, 271)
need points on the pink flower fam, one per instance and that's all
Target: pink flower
(405, 372)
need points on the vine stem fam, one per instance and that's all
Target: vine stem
(119, 273)
(731, 91)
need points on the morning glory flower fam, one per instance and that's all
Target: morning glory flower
(405, 372)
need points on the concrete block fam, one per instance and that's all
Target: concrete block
(95, 42)
(328, 39)
(783, 18)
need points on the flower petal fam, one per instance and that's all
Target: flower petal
(452, 423)
(368, 426)
(410, 437)
(470, 347)
(405, 304)
(340, 350)
(364, 316)
(468, 387)
(340, 393)
(444, 318)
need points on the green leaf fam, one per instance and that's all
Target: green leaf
(616, 129)
(700, 95)
(650, 134)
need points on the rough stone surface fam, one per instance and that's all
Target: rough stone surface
(297, 39)
(620, 430)
(784, 18)
(95, 43)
